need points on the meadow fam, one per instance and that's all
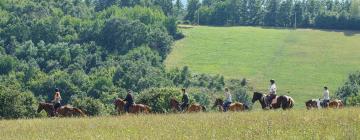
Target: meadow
(302, 61)
(258, 124)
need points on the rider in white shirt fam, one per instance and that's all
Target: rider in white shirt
(228, 99)
(272, 91)
(326, 96)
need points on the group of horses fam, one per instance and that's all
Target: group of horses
(283, 101)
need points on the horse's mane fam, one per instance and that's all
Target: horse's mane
(259, 93)
(46, 104)
(174, 100)
(69, 106)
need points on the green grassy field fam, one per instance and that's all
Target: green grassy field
(301, 61)
(294, 124)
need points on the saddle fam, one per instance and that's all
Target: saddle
(273, 101)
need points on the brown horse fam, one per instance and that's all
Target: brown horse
(64, 111)
(285, 102)
(135, 108)
(237, 106)
(175, 106)
(336, 104)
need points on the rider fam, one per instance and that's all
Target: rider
(185, 99)
(129, 100)
(272, 92)
(56, 101)
(228, 100)
(326, 99)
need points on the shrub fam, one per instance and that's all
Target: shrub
(16, 103)
(350, 90)
(90, 106)
(159, 98)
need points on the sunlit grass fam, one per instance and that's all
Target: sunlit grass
(295, 124)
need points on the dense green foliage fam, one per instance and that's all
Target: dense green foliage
(349, 92)
(329, 14)
(93, 51)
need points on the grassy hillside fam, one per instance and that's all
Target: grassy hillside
(295, 124)
(301, 61)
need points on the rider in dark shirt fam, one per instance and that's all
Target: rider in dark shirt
(185, 100)
(129, 100)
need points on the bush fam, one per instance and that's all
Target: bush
(350, 90)
(159, 98)
(89, 106)
(16, 103)
(353, 101)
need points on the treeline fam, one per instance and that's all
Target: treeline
(327, 14)
(93, 51)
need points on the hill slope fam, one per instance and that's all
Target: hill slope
(301, 61)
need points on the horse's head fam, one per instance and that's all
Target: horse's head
(40, 107)
(174, 104)
(218, 102)
(257, 96)
(119, 103)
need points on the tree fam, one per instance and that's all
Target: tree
(285, 13)
(355, 9)
(178, 9)
(271, 15)
(166, 6)
(192, 8)
(7, 64)
(122, 35)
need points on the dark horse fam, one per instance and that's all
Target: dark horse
(64, 111)
(135, 108)
(175, 106)
(237, 106)
(285, 102)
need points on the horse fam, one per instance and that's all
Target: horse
(135, 108)
(336, 104)
(316, 103)
(237, 106)
(175, 106)
(313, 103)
(284, 102)
(64, 111)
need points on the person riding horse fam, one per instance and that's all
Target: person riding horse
(228, 99)
(185, 99)
(57, 100)
(326, 97)
(272, 93)
(129, 101)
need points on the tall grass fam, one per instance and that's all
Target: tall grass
(294, 124)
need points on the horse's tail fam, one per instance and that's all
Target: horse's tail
(203, 108)
(147, 109)
(82, 114)
(291, 102)
(246, 107)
